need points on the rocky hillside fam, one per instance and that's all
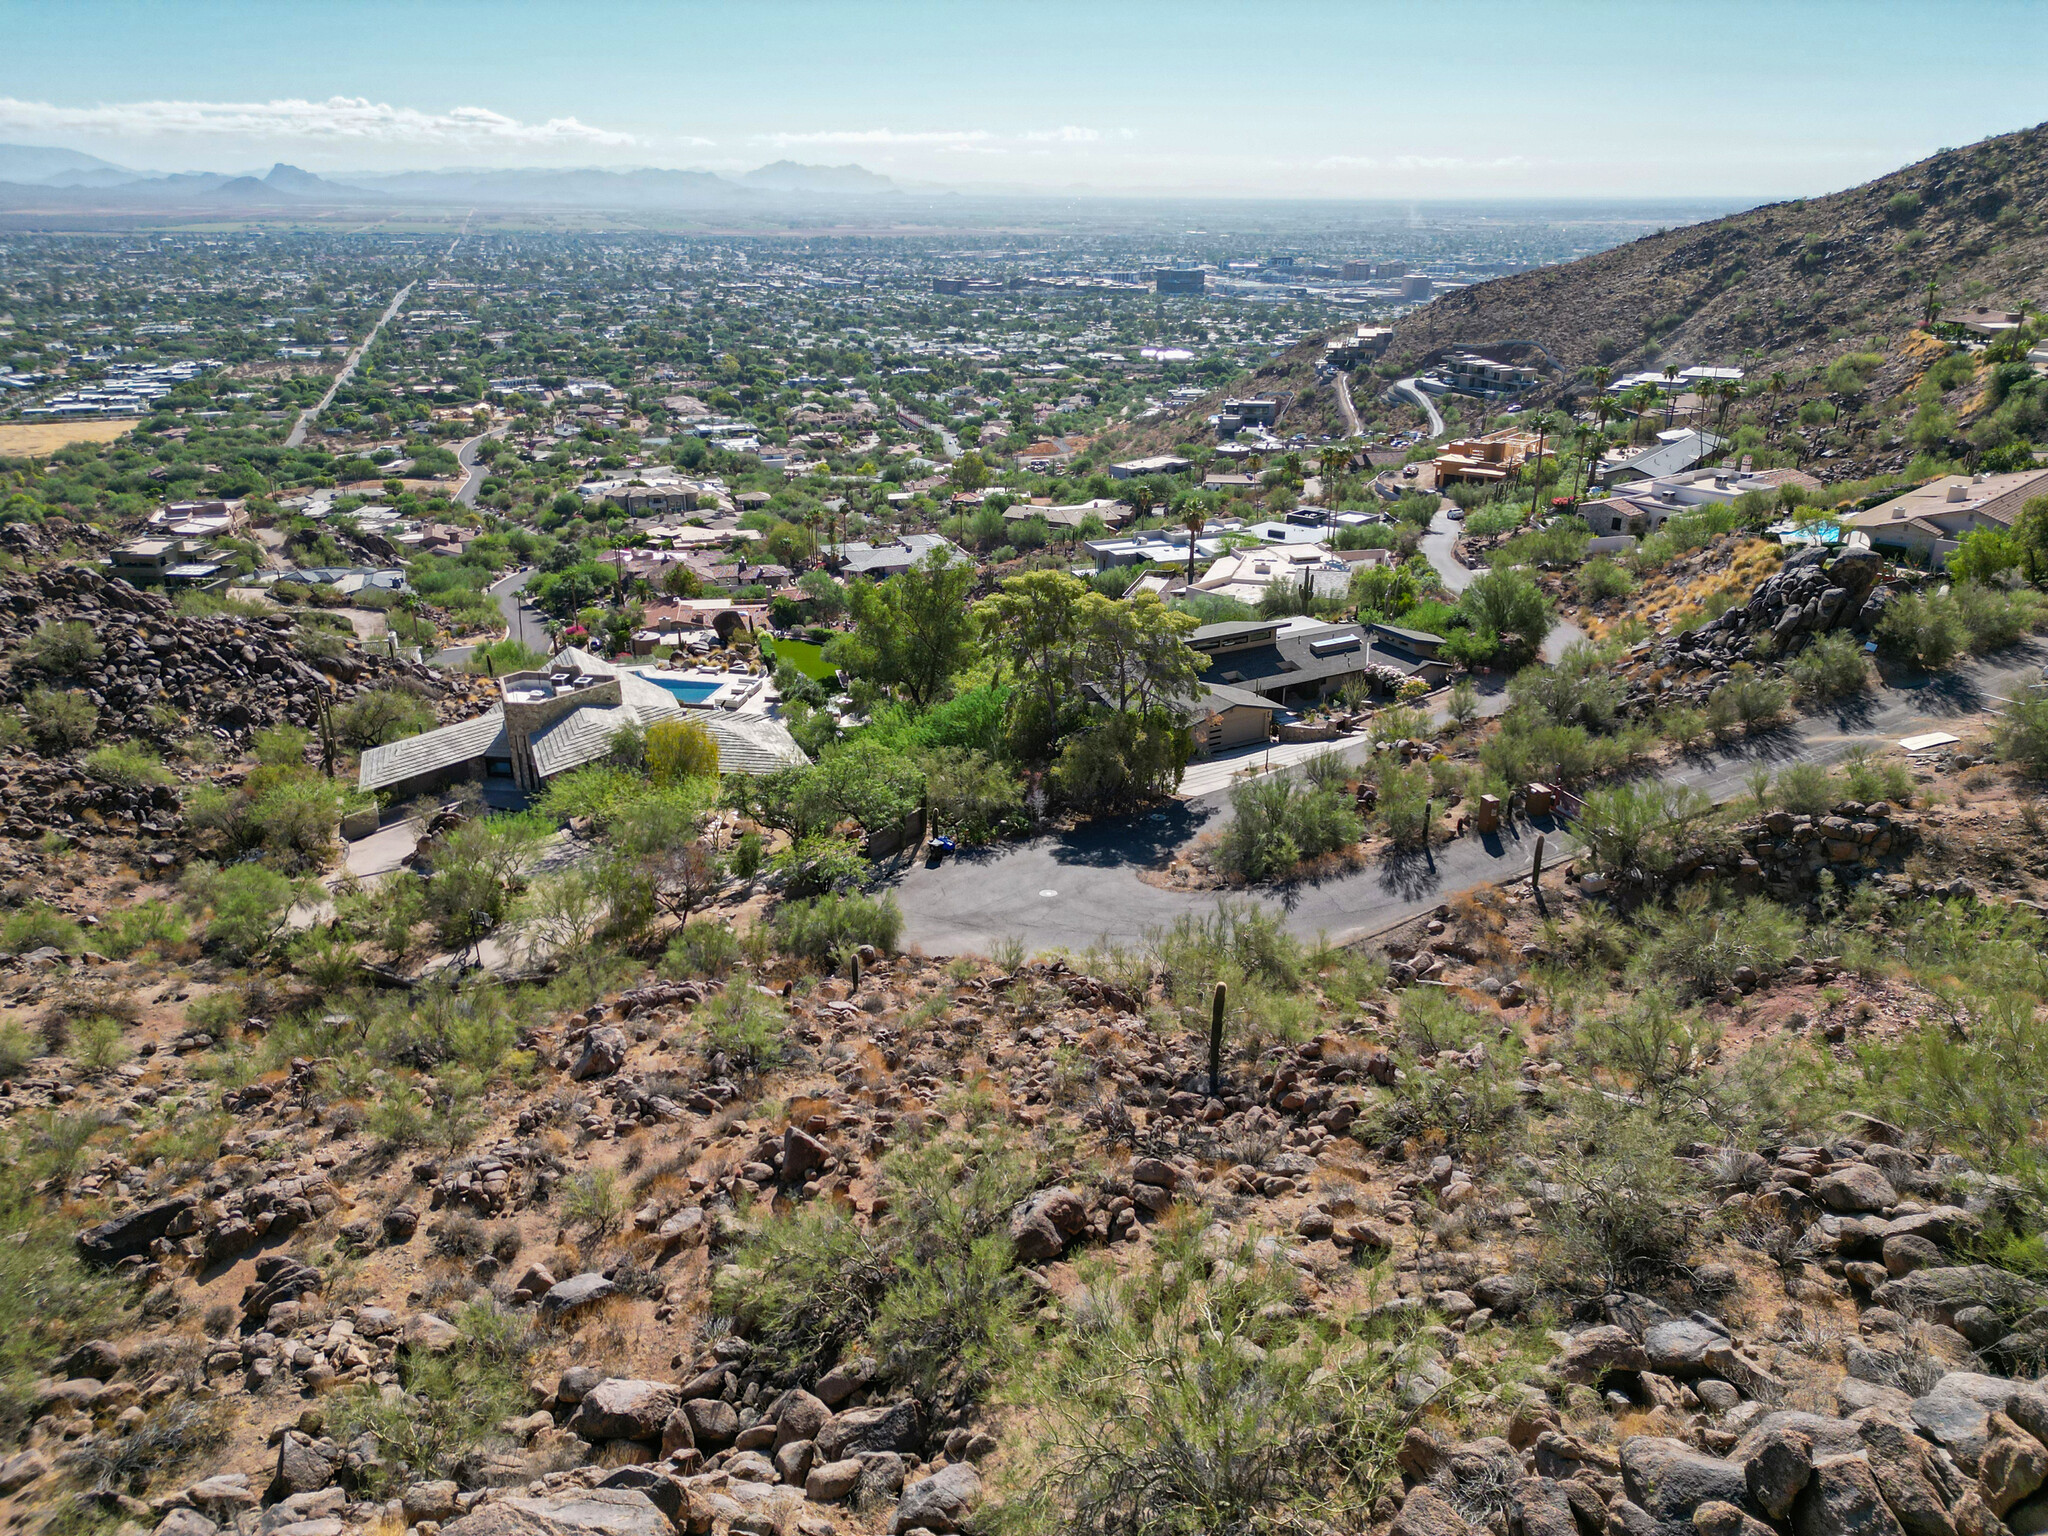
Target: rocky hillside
(1816, 277)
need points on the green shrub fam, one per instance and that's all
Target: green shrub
(1195, 1396)
(127, 765)
(820, 928)
(453, 1400)
(701, 949)
(1277, 823)
(1805, 789)
(1701, 941)
(1241, 943)
(39, 925)
(61, 649)
(382, 715)
(1925, 628)
(1751, 699)
(1640, 828)
(1831, 666)
(282, 746)
(247, 905)
(17, 1049)
(59, 720)
(2022, 735)
(1625, 1220)
(1600, 578)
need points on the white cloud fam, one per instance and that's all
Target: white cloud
(1420, 163)
(337, 120)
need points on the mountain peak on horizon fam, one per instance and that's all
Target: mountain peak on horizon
(790, 176)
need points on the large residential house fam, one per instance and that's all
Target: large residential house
(1299, 661)
(1931, 520)
(893, 559)
(1646, 505)
(549, 722)
(1673, 453)
(1490, 459)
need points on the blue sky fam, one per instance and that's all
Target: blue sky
(1353, 98)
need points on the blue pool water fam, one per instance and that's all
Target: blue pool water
(683, 688)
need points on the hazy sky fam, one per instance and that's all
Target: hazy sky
(1348, 98)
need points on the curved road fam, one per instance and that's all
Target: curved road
(1439, 547)
(475, 474)
(1420, 396)
(1345, 407)
(1075, 889)
(523, 622)
(309, 415)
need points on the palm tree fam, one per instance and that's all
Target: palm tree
(1670, 392)
(1194, 520)
(1930, 304)
(1775, 387)
(1332, 459)
(1543, 425)
(1142, 501)
(1589, 450)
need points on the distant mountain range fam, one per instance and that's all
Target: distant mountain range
(83, 179)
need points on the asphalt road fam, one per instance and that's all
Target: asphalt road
(1070, 891)
(475, 473)
(348, 371)
(1420, 396)
(522, 622)
(1439, 548)
(1344, 405)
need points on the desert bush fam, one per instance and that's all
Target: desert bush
(452, 1404)
(971, 794)
(745, 1026)
(596, 1201)
(1278, 822)
(1925, 628)
(1641, 827)
(1703, 938)
(127, 765)
(1600, 578)
(60, 720)
(1868, 779)
(1831, 666)
(62, 648)
(1626, 1218)
(1651, 1047)
(680, 749)
(1749, 698)
(821, 927)
(701, 949)
(38, 925)
(246, 905)
(2021, 737)
(1804, 789)
(382, 715)
(1241, 942)
(1194, 1397)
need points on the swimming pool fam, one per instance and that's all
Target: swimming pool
(688, 690)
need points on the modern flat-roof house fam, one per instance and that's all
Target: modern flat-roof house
(883, 560)
(1932, 520)
(1646, 505)
(1684, 451)
(1299, 661)
(548, 722)
(1158, 464)
(1489, 459)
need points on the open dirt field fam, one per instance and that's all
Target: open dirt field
(35, 438)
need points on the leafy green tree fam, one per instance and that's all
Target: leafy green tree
(1984, 554)
(912, 632)
(1032, 624)
(1135, 652)
(1504, 602)
(867, 783)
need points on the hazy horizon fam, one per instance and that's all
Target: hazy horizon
(1572, 101)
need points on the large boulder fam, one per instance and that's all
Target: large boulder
(1042, 1226)
(623, 1409)
(942, 1502)
(130, 1235)
(576, 1293)
(1680, 1347)
(1856, 1187)
(591, 1512)
(1842, 1499)
(833, 1481)
(1669, 1479)
(1425, 1512)
(1591, 1355)
(604, 1052)
(304, 1465)
(1954, 1288)
(799, 1417)
(885, 1427)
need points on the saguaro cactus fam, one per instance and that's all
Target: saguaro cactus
(1216, 1006)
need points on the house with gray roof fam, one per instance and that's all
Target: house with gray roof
(878, 561)
(550, 721)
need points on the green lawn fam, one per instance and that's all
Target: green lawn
(807, 658)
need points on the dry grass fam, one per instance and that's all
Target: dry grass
(34, 439)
